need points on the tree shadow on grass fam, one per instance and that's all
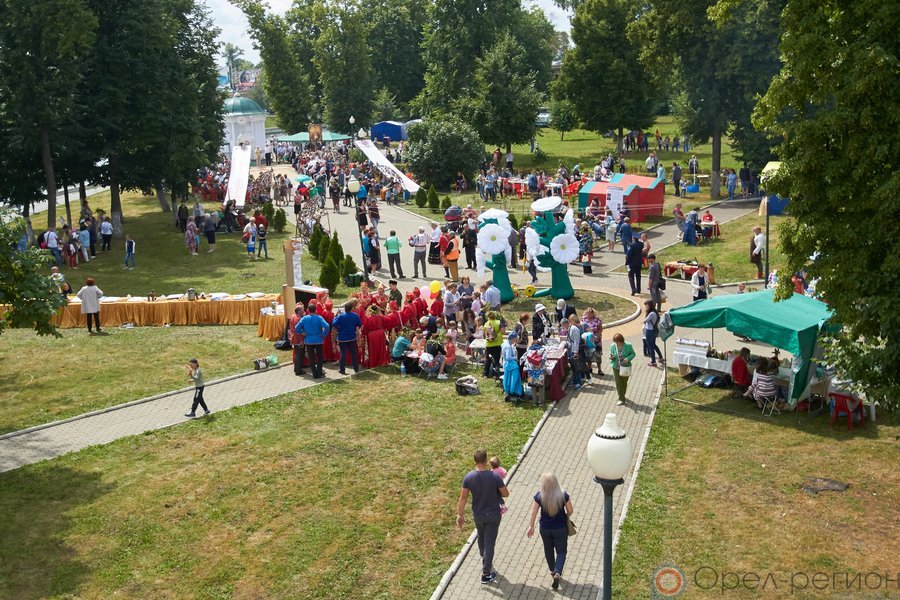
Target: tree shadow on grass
(37, 504)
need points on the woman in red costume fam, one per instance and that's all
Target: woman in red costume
(393, 321)
(376, 341)
(409, 316)
(420, 304)
(437, 307)
(329, 346)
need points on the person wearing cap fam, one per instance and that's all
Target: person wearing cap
(563, 311)
(654, 276)
(540, 322)
(419, 242)
(297, 355)
(512, 379)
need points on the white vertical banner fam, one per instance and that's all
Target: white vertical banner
(297, 247)
(614, 199)
(385, 166)
(240, 173)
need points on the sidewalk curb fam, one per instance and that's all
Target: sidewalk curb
(464, 552)
(109, 409)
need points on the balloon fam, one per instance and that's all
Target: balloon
(435, 287)
(426, 291)
(434, 295)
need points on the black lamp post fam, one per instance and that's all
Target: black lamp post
(609, 454)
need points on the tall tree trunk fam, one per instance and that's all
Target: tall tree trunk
(68, 205)
(115, 206)
(29, 229)
(50, 178)
(715, 181)
(82, 192)
(619, 147)
(161, 198)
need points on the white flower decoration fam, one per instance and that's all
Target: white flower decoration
(564, 248)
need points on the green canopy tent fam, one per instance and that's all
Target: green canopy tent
(793, 324)
(303, 137)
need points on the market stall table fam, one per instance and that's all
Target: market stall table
(271, 324)
(114, 311)
(687, 270)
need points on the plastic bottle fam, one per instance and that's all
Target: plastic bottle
(402, 370)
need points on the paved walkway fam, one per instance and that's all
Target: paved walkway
(101, 427)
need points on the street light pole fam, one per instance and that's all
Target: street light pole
(609, 454)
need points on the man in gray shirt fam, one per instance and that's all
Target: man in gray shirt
(487, 488)
(491, 296)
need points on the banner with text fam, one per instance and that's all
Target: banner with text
(240, 173)
(386, 166)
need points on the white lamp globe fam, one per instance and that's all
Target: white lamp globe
(353, 185)
(352, 119)
(609, 450)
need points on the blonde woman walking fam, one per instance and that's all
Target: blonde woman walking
(555, 507)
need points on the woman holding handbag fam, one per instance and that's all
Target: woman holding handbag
(620, 355)
(555, 507)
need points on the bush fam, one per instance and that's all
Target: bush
(421, 198)
(330, 276)
(268, 211)
(445, 203)
(442, 146)
(279, 221)
(323, 251)
(539, 157)
(315, 238)
(514, 221)
(348, 266)
(434, 203)
(335, 251)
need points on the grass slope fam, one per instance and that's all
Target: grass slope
(344, 490)
(724, 491)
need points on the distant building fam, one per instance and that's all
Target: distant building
(245, 121)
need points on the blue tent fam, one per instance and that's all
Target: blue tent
(393, 129)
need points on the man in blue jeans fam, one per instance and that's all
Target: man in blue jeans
(487, 488)
(347, 325)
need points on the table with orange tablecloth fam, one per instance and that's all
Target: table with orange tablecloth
(244, 311)
(271, 326)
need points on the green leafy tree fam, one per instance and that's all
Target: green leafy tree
(394, 39)
(563, 116)
(268, 211)
(434, 203)
(602, 75)
(840, 155)
(305, 21)
(445, 203)
(43, 47)
(330, 276)
(504, 100)
(286, 82)
(704, 36)
(458, 31)
(345, 71)
(32, 297)
(232, 54)
(538, 40)
(384, 105)
(279, 222)
(441, 147)
(421, 198)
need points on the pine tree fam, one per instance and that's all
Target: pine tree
(335, 251)
(421, 198)
(330, 276)
(434, 203)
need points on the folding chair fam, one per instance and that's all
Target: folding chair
(769, 404)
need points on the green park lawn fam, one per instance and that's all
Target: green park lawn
(724, 491)
(343, 490)
(730, 253)
(164, 265)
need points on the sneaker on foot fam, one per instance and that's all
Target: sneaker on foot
(206, 412)
(485, 579)
(555, 584)
(442, 376)
(190, 415)
(620, 403)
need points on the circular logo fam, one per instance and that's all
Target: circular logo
(667, 582)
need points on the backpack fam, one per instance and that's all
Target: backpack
(490, 332)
